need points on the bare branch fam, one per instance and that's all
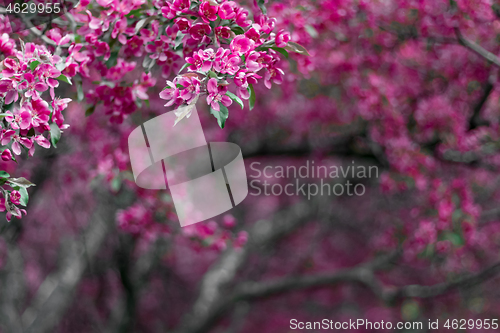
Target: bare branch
(477, 48)
(56, 293)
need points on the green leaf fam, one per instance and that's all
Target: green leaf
(24, 196)
(55, 134)
(64, 78)
(34, 64)
(221, 115)
(281, 50)
(2, 115)
(212, 74)
(4, 174)
(238, 30)
(262, 7)
(113, 59)
(235, 98)
(135, 13)
(297, 48)
(251, 100)
(311, 31)
(21, 182)
(184, 66)
(89, 111)
(79, 91)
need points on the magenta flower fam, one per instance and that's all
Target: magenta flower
(19, 120)
(55, 35)
(191, 87)
(122, 30)
(254, 35)
(171, 64)
(208, 12)
(6, 155)
(282, 38)
(157, 50)
(183, 24)
(273, 74)
(15, 197)
(18, 141)
(181, 5)
(40, 112)
(199, 62)
(171, 94)
(9, 87)
(226, 62)
(42, 141)
(216, 94)
(241, 18)
(266, 24)
(199, 30)
(241, 44)
(242, 79)
(134, 47)
(227, 10)
(32, 86)
(7, 45)
(11, 67)
(149, 35)
(102, 49)
(168, 11)
(223, 32)
(58, 105)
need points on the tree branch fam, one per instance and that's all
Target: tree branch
(212, 300)
(477, 48)
(56, 293)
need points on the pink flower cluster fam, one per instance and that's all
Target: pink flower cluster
(26, 117)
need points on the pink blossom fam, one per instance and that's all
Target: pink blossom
(241, 44)
(6, 155)
(181, 5)
(19, 120)
(7, 45)
(199, 30)
(266, 24)
(191, 88)
(198, 62)
(15, 197)
(241, 18)
(134, 46)
(254, 35)
(223, 32)
(226, 62)
(273, 74)
(102, 49)
(55, 35)
(216, 94)
(183, 24)
(157, 50)
(168, 11)
(282, 38)
(242, 79)
(122, 30)
(171, 94)
(42, 141)
(227, 10)
(208, 12)
(172, 63)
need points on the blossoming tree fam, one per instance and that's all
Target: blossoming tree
(408, 86)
